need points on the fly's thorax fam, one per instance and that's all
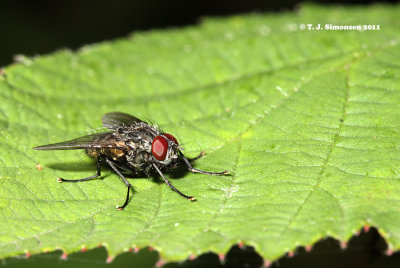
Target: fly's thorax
(140, 142)
(139, 137)
(146, 143)
(139, 161)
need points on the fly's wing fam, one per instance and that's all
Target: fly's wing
(98, 140)
(116, 119)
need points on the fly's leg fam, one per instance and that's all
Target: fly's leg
(197, 157)
(191, 198)
(98, 174)
(195, 170)
(128, 185)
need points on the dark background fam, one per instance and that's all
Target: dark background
(39, 27)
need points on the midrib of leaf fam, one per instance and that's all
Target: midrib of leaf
(326, 161)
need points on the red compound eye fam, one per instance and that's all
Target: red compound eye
(159, 148)
(171, 138)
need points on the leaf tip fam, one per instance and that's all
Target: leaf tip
(241, 245)
(160, 263)
(83, 249)
(28, 254)
(389, 252)
(343, 245)
(109, 259)
(221, 257)
(64, 256)
(267, 263)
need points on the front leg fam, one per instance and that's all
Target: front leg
(197, 157)
(191, 198)
(195, 170)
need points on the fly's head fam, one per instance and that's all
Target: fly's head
(165, 148)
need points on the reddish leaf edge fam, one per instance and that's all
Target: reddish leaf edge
(290, 253)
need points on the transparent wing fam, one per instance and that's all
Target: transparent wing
(98, 140)
(116, 119)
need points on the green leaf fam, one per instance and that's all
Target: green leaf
(307, 122)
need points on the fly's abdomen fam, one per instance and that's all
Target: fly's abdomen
(111, 153)
(94, 153)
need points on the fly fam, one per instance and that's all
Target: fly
(132, 146)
